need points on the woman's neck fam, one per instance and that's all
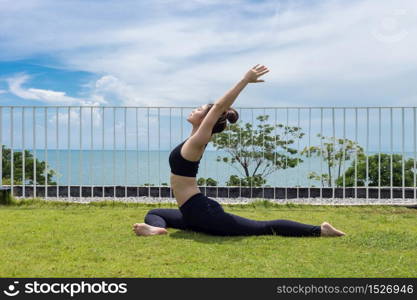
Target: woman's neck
(193, 131)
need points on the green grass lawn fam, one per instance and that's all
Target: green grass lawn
(45, 239)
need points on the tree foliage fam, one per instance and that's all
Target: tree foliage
(334, 151)
(380, 176)
(18, 168)
(206, 181)
(257, 152)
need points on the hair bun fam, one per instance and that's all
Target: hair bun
(232, 115)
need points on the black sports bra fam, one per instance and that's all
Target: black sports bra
(181, 166)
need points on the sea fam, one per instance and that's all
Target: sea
(139, 168)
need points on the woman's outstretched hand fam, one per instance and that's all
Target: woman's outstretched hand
(253, 74)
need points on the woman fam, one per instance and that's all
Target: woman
(198, 212)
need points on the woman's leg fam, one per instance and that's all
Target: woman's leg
(204, 214)
(236, 225)
(165, 217)
(241, 225)
(232, 225)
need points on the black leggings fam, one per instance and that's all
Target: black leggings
(202, 214)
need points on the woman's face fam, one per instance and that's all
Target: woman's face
(197, 115)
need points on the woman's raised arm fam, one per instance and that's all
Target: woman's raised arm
(250, 77)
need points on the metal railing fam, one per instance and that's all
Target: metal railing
(384, 131)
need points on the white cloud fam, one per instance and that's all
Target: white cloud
(107, 90)
(47, 96)
(115, 91)
(3, 91)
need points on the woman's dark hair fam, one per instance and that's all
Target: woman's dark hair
(230, 115)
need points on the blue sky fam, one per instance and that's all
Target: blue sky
(187, 53)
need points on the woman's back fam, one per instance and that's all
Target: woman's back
(184, 161)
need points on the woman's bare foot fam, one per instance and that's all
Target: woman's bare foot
(329, 230)
(145, 229)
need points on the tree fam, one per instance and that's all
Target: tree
(333, 151)
(384, 162)
(206, 182)
(256, 180)
(18, 169)
(257, 148)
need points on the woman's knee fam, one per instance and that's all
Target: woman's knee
(154, 219)
(151, 214)
(154, 211)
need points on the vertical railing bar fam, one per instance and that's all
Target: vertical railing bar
(298, 153)
(253, 148)
(58, 163)
(308, 151)
(344, 154)
(23, 154)
(91, 152)
(69, 154)
(391, 132)
(217, 171)
(182, 125)
(11, 150)
(403, 146)
(80, 154)
(356, 153)
(240, 155)
(46, 153)
(149, 159)
(275, 148)
(205, 175)
(263, 153)
(415, 154)
(103, 177)
(286, 155)
(159, 152)
(125, 134)
(137, 151)
(230, 165)
(379, 153)
(366, 154)
(34, 152)
(332, 180)
(321, 156)
(114, 153)
(170, 145)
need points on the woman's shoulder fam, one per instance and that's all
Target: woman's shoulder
(191, 152)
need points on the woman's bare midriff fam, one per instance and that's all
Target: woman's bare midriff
(183, 188)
